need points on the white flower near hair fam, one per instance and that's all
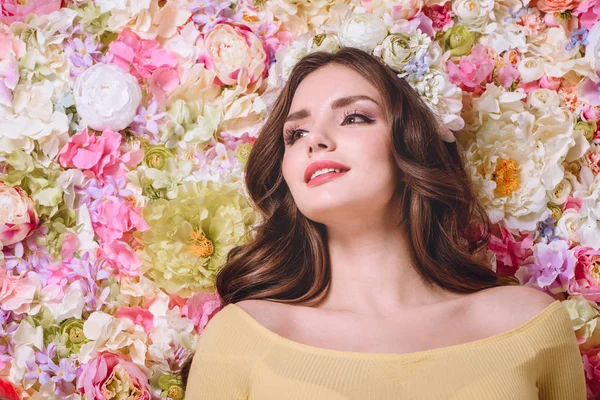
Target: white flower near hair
(363, 31)
(474, 13)
(106, 97)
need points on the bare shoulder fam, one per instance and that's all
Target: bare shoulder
(504, 308)
(267, 313)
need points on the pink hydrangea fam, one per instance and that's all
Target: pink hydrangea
(122, 257)
(109, 376)
(16, 10)
(588, 12)
(472, 71)
(551, 268)
(115, 217)
(146, 60)
(586, 281)
(591, 366)
(137, 315)
(97, 154)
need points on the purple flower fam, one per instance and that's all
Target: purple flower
(16, 261)
(83, 54)
(208, 14)
(147, 117)
(64, 371)
(578, 36)
(550, 267)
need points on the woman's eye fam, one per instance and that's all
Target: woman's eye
(357, 118)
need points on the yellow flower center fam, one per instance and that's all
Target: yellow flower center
(506, 177)
(76, 335)
(155, 161)
(250, 18)
(595, 268)
(471, 5)
(201, 245)
(175, 392)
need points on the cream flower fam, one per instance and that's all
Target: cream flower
(543, 100)
(531, 69)
(568, 226)
(561, 61)
(589, 191)
(474, 14)
(107, 333)
(561, 192)
(584, 316)
(363, 31)
(502, 37)
(300, 17)
(592, 51)
(32, 118)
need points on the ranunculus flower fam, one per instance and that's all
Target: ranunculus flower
(585, 321)
(396, 51)
(473, 13)
(106, 97)
(236, 54)
(586, 282)
(17, 214)
(363, 31)
(458, 40)
(554, 6)
(109, 377)
(16, 10)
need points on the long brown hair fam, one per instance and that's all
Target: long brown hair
(287, 258)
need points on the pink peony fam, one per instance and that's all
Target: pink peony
(588, 12)
(98, 154)
(18, 217)
(201, 308)
(473, 71)
(110, 377)
(122, 257)
(17, 294)
(137, 315)
(236, 54)
(146, 60)
(586, 281)
(17, 10)
(510, 252)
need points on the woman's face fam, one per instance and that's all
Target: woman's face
(337, 115)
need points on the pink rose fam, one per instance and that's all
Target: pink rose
(110, 377)
(15, 10)
(552, 6)
(236, 54)
(201, 308)
(98, 154)
(586, 283)
(17, 216)
(549, 82)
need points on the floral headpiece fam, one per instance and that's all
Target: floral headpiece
(401, 44)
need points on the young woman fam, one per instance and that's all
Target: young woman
(364, 280)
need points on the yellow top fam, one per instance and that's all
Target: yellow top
(238, 358)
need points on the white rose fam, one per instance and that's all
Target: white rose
(474, 14)
(568, 226)
(106, 97)
(561, 192)
(363, 31)
(531, 69)
(544, 100)
(396, 51)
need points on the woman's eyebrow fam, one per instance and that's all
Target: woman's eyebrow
(337, 103)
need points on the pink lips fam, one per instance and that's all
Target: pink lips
(325, 178)
(322, 164)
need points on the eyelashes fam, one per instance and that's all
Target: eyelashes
(290, 132)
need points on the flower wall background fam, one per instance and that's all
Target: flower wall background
(125, 126)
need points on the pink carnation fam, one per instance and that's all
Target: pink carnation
(146, 60)
(107, 373)
(510, 252)
(586, 282)
(98, 154)
(15, 10)
(440, 16)
(201, 308)
(472, 71)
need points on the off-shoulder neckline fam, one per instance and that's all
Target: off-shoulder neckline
(366, 355)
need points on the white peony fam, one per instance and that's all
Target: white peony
(543, 100)
(363, 31)
(474, 14)
(559, 60)
(568, 226)
(592, 51)
(106, 97)
(589, 191)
